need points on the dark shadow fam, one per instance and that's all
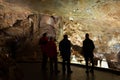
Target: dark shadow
(87, 76)
(93, 77)
(44, 75)
(66, 77)
(90, 76)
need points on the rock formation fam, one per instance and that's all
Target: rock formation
(26, 20)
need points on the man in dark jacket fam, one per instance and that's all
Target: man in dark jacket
(65, 51)
(88, 47)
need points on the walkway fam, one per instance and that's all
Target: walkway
(32, 71)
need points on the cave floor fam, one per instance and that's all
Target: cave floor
(32, 71)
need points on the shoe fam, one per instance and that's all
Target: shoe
(87, 71)
(69, 72)
(63, 72)
(43, 68)
(92, 71)
(57, 71)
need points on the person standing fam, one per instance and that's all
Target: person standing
(43, 45)
(65, 51)
(88, 47)
(52, 55)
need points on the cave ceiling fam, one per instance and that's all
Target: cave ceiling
(76, 8)
(106, 11)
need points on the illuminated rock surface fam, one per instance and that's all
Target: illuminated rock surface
(100, 18)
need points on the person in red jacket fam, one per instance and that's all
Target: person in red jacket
(43, 45)
(52, 54)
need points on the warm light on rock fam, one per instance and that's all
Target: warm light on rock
(99, 18)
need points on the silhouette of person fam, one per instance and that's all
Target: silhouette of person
(88, 47)
(52, 54)
(65, 51)
(43, 45)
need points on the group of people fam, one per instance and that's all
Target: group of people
(49, 51)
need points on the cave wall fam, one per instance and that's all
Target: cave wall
(23, 30)
(100, 18)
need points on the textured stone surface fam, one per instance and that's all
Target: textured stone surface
(100, 18)
(24, 27)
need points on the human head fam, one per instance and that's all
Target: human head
(65, 36)
(51, 38)
(45, 34)
(86, 35)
